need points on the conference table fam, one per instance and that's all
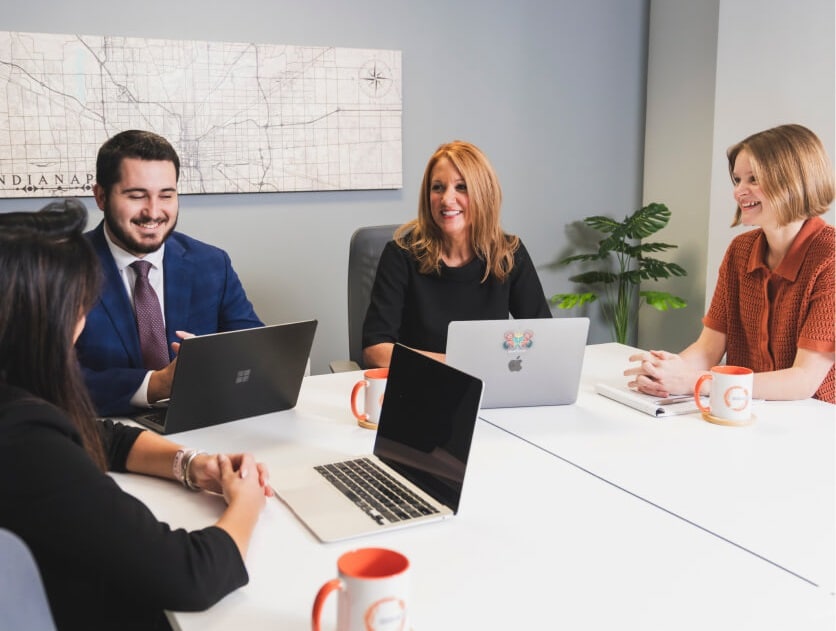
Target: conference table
(551, 533)
(768, 487)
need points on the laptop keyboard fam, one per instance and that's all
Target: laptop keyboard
(377, 493)
(154, 417)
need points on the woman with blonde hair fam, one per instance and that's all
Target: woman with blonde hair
(773, 307)
(453, 262)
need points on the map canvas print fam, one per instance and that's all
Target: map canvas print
(243, 117)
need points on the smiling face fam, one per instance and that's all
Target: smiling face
(449, 200)
(754, 207)
(141, 209)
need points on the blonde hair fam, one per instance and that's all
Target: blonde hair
(792, 169)
(422, 237)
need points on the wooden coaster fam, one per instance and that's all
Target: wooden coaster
(721, 421)
(367, 424)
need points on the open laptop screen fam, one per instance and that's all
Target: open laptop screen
(426, 423)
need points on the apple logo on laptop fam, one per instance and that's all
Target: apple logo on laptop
(515, 365)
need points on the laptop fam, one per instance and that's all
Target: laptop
(523, 362)
(228, 376)
(416, 472)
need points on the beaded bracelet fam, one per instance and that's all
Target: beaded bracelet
(177, 465)
(181, 467)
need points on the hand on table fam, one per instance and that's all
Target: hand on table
(206, 472)
(661, 374)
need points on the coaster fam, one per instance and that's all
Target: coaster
(367, 424)
(721, 421)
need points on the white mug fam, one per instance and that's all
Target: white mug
(374, 383)
(373, 586)
(731, 395)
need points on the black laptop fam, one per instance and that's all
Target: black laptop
(227, 376)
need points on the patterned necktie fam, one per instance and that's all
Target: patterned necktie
(149, 320)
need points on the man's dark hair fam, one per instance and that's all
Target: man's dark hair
(133, 143)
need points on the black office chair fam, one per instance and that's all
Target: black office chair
(23, 600)
(363, 254)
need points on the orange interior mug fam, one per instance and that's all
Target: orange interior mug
(372, 586)
(731, 394)
(374, 385)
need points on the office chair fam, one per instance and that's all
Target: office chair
(363, 254)
(23, 600)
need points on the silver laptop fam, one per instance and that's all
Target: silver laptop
(417, 470)
(522, 362)
(228, 376)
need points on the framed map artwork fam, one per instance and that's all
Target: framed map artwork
(243, 117)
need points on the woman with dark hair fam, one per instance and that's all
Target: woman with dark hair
(453, 262)
(773, 306)
(106, 562)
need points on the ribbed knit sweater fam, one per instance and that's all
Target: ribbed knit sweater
(767, 315)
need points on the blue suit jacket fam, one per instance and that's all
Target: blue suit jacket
(202, 295)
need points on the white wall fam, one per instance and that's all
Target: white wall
(787, 75)
(719, 71)
(552, 91)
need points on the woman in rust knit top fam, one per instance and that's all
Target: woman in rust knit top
(773, 307)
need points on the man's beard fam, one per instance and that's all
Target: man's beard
(128, 242)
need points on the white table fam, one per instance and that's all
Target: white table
(537, 543)
(768, 487)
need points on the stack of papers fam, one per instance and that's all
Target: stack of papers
(654, 406)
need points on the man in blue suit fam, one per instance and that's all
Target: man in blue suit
(136, 189)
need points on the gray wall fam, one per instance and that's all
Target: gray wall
(682, 56)
(552, 91)
(718, 71)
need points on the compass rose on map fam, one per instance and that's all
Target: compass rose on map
(375, 78)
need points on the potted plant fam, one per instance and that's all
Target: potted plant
(618, 289)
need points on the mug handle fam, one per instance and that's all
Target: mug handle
(697, 387)
(354, 392)
(321, 596)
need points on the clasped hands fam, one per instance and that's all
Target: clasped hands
(661, 374)
(229, 474)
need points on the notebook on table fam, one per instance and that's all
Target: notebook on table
(523, 362)
(227, 376)
(416, 471)
(654, 406)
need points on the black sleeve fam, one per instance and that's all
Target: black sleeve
(385, 313)
(118, 439)
(527, 299)
(92, 538)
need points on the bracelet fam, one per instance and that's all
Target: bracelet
(187, 479)
(181, 467)
(177, 465)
